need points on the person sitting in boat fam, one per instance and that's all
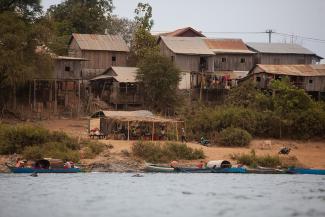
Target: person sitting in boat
(67, 165)
(174, 164)
(20, 163)
(201, 165)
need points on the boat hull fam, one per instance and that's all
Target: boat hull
(32, 170)
(306, 171)
(164, 169)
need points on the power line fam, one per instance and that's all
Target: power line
(302, 37)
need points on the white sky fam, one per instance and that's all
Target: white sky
(298, 17)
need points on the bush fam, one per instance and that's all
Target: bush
(14, 139)
(51, 150)
(157, 152)
(253, 161)
(33, 153)
(235, 137)
(36, 142)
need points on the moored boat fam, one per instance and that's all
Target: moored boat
(46, 166)
(306, 171)
(50, 170)
(166, 169)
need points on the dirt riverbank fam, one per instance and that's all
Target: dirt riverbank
(117, 157)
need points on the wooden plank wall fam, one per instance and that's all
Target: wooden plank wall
(233, 62)
(278, 59)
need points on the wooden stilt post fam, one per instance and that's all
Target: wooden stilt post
(176, 132)
(153, 131)
(30, 96)
(128, 130)
(34, 96)
(55, 97)
(79, 99)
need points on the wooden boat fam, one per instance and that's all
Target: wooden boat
(45, 166)
(50, 170)
(306, 171)
(166, 169)
(265, 170)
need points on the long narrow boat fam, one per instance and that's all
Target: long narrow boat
(46, 165)
(51, 170)
(306, 171)
(166, 169)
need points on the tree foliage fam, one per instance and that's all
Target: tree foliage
(19, 61)
(160, 79)
(121, 26)
(27, 9)
(143, 42)
(288, 112)
(77, 16)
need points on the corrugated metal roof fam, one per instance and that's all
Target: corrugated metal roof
(187, 45)
(120, 74)
(227, 46)
(140, 115)
(234, 75)
(69, 58)
(100, 77)
(123, 74)
(294, 70)
(179, 32)
(100, 42)
(279, 48)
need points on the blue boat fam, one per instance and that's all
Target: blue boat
(50, 170)
(45, 166)
(306, 171)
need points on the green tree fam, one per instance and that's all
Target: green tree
(77, 16)
(121, 26)
(160, 79)
(27, 9)
(18, 60)
(247, 95)
(288, 99)
(143, 42)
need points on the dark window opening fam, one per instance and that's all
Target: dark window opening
(203, 64)
(258, 79)
(67, 69)
(113, 58)
(310, 81)
(242, 60)
(223, 59)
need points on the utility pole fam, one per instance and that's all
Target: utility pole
(270, 31)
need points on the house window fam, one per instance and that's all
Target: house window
(242, 60)
(113, 58)
(258, 79)
(310, 81)
(67, 69)
(223, 59)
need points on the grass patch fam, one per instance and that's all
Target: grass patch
(165, 152)
(253, 161)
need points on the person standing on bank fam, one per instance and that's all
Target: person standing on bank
(183, 137)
